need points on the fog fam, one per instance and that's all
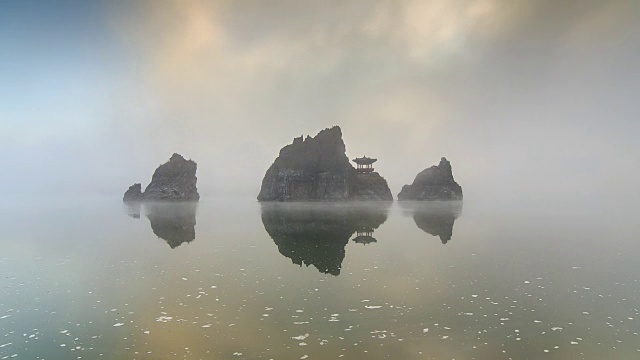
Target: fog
(529, 100)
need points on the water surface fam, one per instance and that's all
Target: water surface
(236, 279)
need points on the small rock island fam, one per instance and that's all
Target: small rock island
(134, 193)
(317, 169)
(174, 180)
(434, 183)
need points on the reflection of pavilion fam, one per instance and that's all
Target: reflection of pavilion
(364, 164)
(364, 237)
(364, 231)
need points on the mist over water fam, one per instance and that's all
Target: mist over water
(225, 277)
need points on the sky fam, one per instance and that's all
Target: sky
(530, 100)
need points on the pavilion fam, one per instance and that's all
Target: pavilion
(364, 164)
(364, 236)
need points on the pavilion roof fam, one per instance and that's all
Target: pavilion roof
(364, 160)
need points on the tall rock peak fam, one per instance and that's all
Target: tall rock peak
(177, 157)
(317, 168)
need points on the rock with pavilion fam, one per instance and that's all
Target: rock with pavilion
(317, 169)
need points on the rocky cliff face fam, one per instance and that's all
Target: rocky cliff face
(370, 186)
(134, 193)
(434, 183)
(174, 180)
(317, 168)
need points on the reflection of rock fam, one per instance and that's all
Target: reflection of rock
(133, 209)
(435, 218)
(434, 183)
(316, 234)
(440, 225)
(317, 168)
(173, 222)
(174, 180)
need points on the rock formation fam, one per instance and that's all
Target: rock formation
(134, 193)
(317, 168)
(174, 180)
(370, 186)
(434, 183)
(317, 235)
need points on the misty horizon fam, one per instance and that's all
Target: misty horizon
(522, 97)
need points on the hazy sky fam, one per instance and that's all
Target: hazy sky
(529, 99)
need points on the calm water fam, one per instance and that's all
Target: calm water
(236, 280)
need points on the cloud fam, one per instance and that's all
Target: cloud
(230, 82)
(428, 30)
